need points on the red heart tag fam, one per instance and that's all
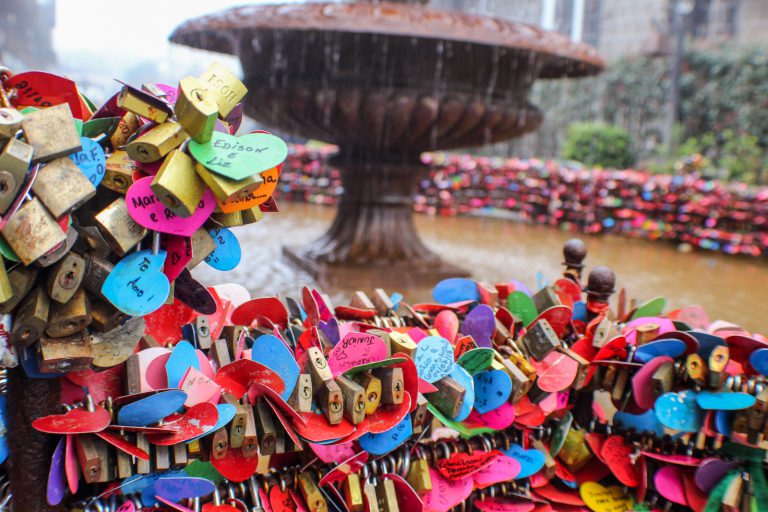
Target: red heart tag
(462, 465)
(165, 324)
(387, 416)
(195, 422)
(281, 500)
(101, 385)
(75, 421)
(340, 472)
(236, 376)
(269, 307)
(71, 467)
(616, 454)
(317, 430)
(40, 89)
(551, 493)
(234, 467)
(120, 443)
(258, 390)
(310, 306)
(559, 317)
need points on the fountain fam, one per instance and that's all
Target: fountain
(385, 82)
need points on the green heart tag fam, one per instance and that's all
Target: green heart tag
(239, 157)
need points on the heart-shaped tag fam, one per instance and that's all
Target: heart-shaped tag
(40, 89)
(148, 211)
(121, 444)
(724, 401)
(333, 452)
(183, 357)
(531, 461)
(57, 479)
(642, 381)
(497, 419)
(151, 409)
(465, 380)
(476, 360)
(199, 388)
(137, 285)
(605, 499)
(198, 420)
(711, 471)
(179, 253)
(646, 422)
(434, 358)
(455, 289)
(355, 349)
(74, 421)
(316, 428)
(556, 372)
(670, 348)
(272, 353)
(239, 157)
(492, 390)
(679, 411)
(501, 469)
(381, 444)
(505, 505)
(759, 360)
(653, 307)
(236, 376)
(227, 253)
(179, 488)
(480, 323)
(521, 305)
(461, 465)
(268, 307)
(668, 480)
(559, 318)
(446, 493)
(90, 160)
(447, 324)
(616, 455)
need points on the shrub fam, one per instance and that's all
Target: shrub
(598, 144)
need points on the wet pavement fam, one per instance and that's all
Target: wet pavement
(729, 288)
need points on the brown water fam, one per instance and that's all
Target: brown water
(729, 288)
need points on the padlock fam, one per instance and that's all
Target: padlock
(51, 132)
(219, 443)
(382, 302)
(198, 333)
(392, 386)
(420, 414)
(354, 399)
(371, 388)
(180, 458)
(154, 144)
(250, 445)
(537, 395)
(21, 279)
(265, 428)
(226, 189)
(301, 398)
(663, 379)
(387, 496)
(202, 247)
(313, 497)
(318, 368)
(361, 301)
(143, 104)
(61, 250)
(226, 90)
(646, 333)
(121, 232)
(238, 423)
(756, 418)
(71, 317)
(105, 316)
(331, 401)
(228, 220)
(10, 122)
(61, 186)
(143, 467)
(603, 332)
(369, 495)
(731, 501)
(65, 278)
(196, 109)
(232, 334)
(583, 368)
(696, 369)
(96, 271)
(68, 354)
(402, 342)
(251, 215)
(127, 126)
(549, 462)
(124, 465)
(219, 353)
(718, 360)
(31, 232)
(14, 164)
(162, 458)
(419, 478)
(90, 238)
(118, 172)
(546, 298)
(521, 383)
(30, 318)
(449, 397)
(575, 452)
(541, 339)
(353, 493)
(177, 185)
(88, 457)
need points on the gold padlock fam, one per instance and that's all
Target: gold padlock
(196, 109)
(70, 317)
(449, 397)
(31, 318)
(419, 477)
(21, 279)
(96, 271)
(392, 387)
(228, 220)
(301, 398)
(177, 185)
(31, 232)
(224, 86)
(118, 227)
(10, 122)
(127, 126)
(331, 401)
(265, 428)
(354, 399)
(202, 246)
(313, 498)
(226, 189)
(62, 187)
(58, 252)
(353, 493)
(143, 104)
(156, 143)
(251, 215)
(14, 164)
(65, 277)
(67, 354)
(51, 132)
(105, 316)
(372, 390)
(118, 172)
(387, 496)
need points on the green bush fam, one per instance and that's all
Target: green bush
(598, 144)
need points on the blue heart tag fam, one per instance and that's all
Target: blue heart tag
(671, 348)
(759, 360)
(724, 401)
(679, 411)
(226, 414)
(90, 160)
(177, 488)
(272, 353)
(580, 311)
(434, 358)
(531, 461)
(455, 289)
(151, 409)
(380, 444)
(227, 253)
(137, 285)
(541, 280)
(182, 359)
(646, 422)
(464, 379)
(492, 389)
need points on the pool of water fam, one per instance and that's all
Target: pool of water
(729, 288)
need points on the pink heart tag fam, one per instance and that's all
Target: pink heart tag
(147, 210)
(669, 482)
(446, 494)
(333, 452)
(447, 324)
(502, 469)
(556, 372)
(198, 387)
(356, 349)
(497, 419)
(642, 383)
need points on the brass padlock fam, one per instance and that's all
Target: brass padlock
(331, 401)
(419, 477)
(382, 302)
(392, 386)
(58, 252)
(153, 145)
(663, 379)
(575, 452)
(361, 301)
(6, 290)
(30, 318)
(127, 126)
(65, 278)
(228, 220)
(62, 187)
(124, 465)
(387, 496)
(696, 369)
(250, 443)
(105, 316)
(31, 232)
(238, 423)
(143, 466)
(67, 354)
(449, 397)
(718, 360)
(402, 342)
(143, 104)
(219, 354)
(369, 492)
(70, 317)
(757, 416)
(645, 333)
(21, 279)
(226, 189)
(420, 414)
(545, 299)
(301, 398)
(118, 172)
(10, 122)
(541, 339)
(353, 493)
(121, 232)
(177, 185)
(265, 428)
(219, 444)
(88, 457)
(51, 132)
(202, 246)
(313, 498)
(162, 458)
(318, 368)
(96, 271)
(14, 164)
(224, 86)
(354, 399)
(196, 109)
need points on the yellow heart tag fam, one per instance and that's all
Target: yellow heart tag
(605, 499)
